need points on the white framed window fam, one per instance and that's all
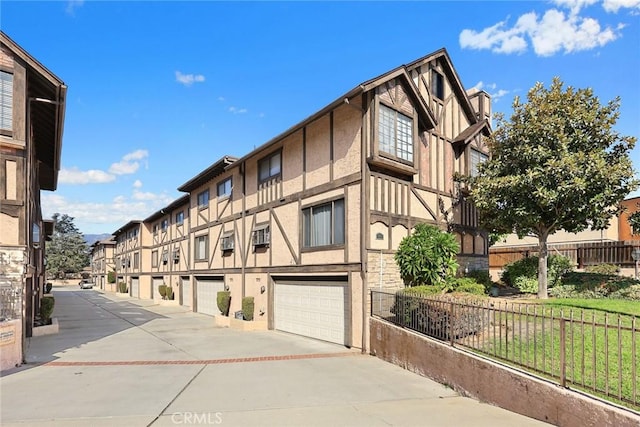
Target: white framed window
(227, 242)
(180, 218)
(270, 167)
(224, 188)
(395, 133)
(475, 158)
(155, 229)
(176, 256)
(165, 257)
(203, 199)
(201, 248)
(6, 101)
(323, 225)
(164, 225)
(261, 235)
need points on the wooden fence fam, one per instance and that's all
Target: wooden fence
(582, 254)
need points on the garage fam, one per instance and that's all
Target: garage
(207, 289)
(314, 308)
(135, 287)
(187, 295)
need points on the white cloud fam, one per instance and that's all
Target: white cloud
(236, 110)
(189, 79)
(92, 217)
(221, 98)
(137, 184)
(145, 195)
(615, 5)
(72, 5)
(129, 163)
(76, 176)
(574, 5)
(554, 32)
(490, 88)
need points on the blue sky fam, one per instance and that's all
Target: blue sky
(158, 91)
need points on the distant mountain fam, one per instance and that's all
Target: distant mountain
(92, 238)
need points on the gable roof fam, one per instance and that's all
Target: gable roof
(402, 72)
(127, 226)
(469, 133)
(453, 77)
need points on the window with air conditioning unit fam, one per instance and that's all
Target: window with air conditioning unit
(165, 257)
(176, 256)
(226, 241)
(261, 235)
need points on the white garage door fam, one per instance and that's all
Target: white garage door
(186, 291)
(157, 281)
(313, 309)
(135, 287)
(207, 289)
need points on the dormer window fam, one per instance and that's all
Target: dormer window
(395, 134)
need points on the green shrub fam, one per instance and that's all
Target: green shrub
(557, 267)
(111, 277)
(46, 308)
(526, 284)
(481, 276)
(468, 285)
(247, 308)
(122, 287)
(224, 302)
(594, 285)
(169, 293)
(603, 269)
(162, 290)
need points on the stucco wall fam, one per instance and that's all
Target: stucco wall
(490, 382)
(10, 344)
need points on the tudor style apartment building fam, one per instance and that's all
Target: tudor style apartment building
(32, 107)
(308, 222)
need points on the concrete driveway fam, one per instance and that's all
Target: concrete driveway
(121, 362)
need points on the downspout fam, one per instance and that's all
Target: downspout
(364, 216)
(243, 259)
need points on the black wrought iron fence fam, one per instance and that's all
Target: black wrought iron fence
(585, 350)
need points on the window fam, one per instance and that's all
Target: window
(396, 133)
(164, 225)
(261, 235)
(323, 225)
(6, 101)
(165, 257)
(269, 167)
(155, 229)
(437, 84)
(180, 218)
(201, 248)
(203, 199)
(227, 242)
(176, 256)
(475, 159)
(224, 188)
(154, 259)
(136, 260)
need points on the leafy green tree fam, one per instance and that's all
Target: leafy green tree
(557, 164)
(427, 256)
(67, 252)
(634, 222)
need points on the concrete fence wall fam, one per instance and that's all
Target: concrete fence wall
(492, 383)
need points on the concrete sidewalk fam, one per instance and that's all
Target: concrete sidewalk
(121, 362)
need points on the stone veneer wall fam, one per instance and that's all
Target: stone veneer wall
(473, 263)
(391, 280)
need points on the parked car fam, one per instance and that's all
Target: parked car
(86, 284)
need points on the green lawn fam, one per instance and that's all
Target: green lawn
(631, 308)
